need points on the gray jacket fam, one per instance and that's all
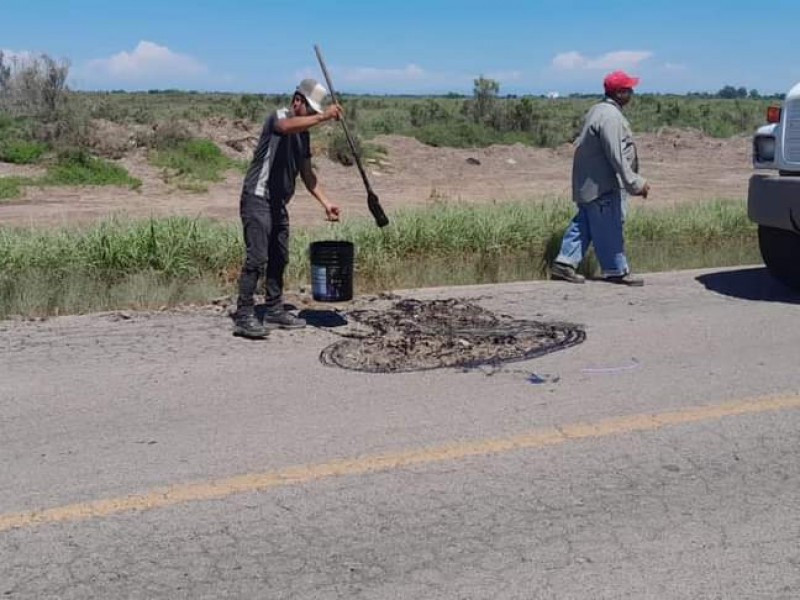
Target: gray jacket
(605, 155)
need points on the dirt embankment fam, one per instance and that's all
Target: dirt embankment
(682, 166)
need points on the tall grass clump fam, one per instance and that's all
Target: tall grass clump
(10, 188)
(78, 167)
(42, 272)
(192, 162)
(164, 261)
(338, 148)
(443, 230)
(531, 230)
(173, 246)
(21, 152)
(689, 223)
(74, 167)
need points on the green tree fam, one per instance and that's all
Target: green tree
(54, 83)
(484, 94)
(35, 86)
(5, 72)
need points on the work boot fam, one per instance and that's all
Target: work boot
(283, 319)
(626, 279)
(565, 272)
(248, 326)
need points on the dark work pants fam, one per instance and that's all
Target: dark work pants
(266, 238)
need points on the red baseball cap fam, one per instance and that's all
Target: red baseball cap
(619, 80)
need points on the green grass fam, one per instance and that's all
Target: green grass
(80, 168)
(39, 293)
(21, 152)
(11, 188)
(192, 163)
(338, 147)
(452, 230)
(71, 168)
(444, 121)
(175, 247)
(119, 264)
(545, 122)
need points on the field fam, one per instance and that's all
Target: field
(683, 163)
(142, 159)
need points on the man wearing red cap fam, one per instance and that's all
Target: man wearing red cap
(604, 169)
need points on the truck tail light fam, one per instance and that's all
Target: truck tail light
(774, 114)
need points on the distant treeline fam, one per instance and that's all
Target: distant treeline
(453, 120)
(39, 112)
(728, 92)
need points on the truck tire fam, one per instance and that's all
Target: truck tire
(780, 250)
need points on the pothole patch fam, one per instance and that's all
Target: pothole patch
(417, 335)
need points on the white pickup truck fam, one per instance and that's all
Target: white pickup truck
(773, 198)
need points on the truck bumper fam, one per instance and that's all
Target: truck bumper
(774, 201)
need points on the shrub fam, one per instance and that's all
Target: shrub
(10, 188)
(166, 135)
(251, 107)
(78, 167)
(21, 152)
(389, 121)
(428, 112)
(456, 135)
(33, 86)
(193, 160)
(484, 93)
(339, 149)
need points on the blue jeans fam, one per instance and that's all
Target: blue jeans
(599, 222)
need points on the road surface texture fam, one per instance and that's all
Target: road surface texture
(156, 456)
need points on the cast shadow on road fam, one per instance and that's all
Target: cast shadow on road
(327, 319)
(749, 284)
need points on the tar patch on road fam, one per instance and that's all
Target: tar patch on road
(416, 335)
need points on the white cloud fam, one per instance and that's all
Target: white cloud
(148, 61)
(674, 67)
(411, 79)
(569, 60)
(505, 76)
(410, 73)
(372, 77)
(620, 59)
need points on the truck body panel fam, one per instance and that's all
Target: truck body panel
(773, 195)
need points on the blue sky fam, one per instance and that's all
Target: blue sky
(414, 47)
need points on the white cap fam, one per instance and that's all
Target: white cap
(313, 92)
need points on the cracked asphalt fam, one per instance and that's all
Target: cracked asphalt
(156, 456)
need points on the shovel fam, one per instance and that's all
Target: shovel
(374, 205)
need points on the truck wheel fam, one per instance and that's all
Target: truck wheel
(780, 250)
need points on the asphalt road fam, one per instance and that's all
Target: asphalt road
(156, 456)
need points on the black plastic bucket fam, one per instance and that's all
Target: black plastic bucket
(332, 271)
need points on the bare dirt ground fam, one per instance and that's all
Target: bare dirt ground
(682, 166)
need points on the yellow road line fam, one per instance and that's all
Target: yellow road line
(252, 482)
